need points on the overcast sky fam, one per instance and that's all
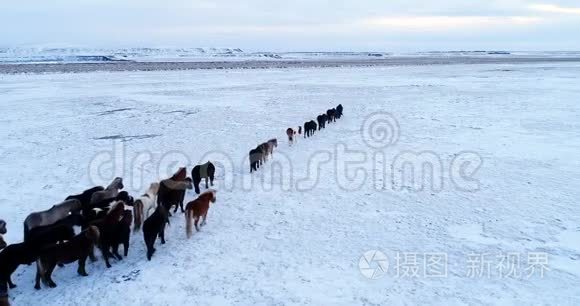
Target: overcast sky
(297, 25)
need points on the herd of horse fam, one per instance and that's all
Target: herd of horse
(106, 214)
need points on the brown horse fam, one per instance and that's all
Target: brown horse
(255, 158)
(172, 190)
(180, 175)
(272, 143)
(198, 208)
(290, 133)
(263, 147)
(76, 249)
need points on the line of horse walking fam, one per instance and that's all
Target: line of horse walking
(310, 127)
(260, 154)
(106, 215)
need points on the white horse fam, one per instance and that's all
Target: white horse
(144, 206)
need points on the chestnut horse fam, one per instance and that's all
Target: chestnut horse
(198, 208)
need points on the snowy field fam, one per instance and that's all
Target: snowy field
(498, 222)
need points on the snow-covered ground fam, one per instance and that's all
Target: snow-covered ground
(503, 141)
(31, 55)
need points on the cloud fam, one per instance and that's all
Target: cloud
(425, 23)
(552, 8)
(291, 25)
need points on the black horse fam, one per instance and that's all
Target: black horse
(255, 159)
(42, 236)
(4, 294)
(155, 226)
(321, 121)
(339, 111)
(85, 196)
(331, 113)
(309, 128)
(2, 232)
(12, 256)
(122, 235)
(108, 227)
(199, 172)
(98, 210)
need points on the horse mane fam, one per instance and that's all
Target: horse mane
(153, 189)
(163, 213)
(210, 193)
(127, 217)
(73, 204)
(92, 233)
(116, 182)
(116, 211)
(180, 175)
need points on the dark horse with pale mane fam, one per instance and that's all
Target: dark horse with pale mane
(172, 190)
(199, 172)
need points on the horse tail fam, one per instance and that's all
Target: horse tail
(26, 230)
(137, 215)
(188, 215)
